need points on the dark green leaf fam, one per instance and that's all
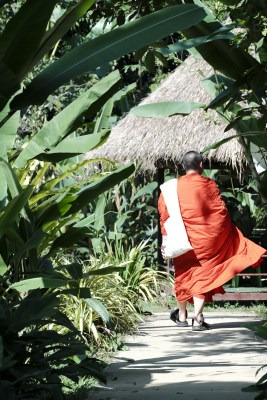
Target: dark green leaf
(71, 237)
(9, 129)
(13, 209)
(72, 204)
(161, 58)
(225, 95)
(107, 47)
(188, 44)
(220, 54)
(246, 134)
(38, 283)
(18, 44)
(150, 61)
(61, 27)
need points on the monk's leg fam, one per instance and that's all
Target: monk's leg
(182, 310)
(199, 303)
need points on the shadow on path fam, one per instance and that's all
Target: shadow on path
(167, 362)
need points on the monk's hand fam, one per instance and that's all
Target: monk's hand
(164, 238)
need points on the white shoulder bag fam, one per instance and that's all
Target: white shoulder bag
(176, 242)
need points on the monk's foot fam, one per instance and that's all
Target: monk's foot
(178, 318)
(198, 324)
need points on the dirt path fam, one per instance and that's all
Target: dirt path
(167, 362)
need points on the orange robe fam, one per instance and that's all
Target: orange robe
(220, 251)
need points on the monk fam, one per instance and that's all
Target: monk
(220, 251)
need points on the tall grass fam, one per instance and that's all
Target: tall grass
(114, 307)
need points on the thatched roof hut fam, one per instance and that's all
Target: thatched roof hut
(154, 141)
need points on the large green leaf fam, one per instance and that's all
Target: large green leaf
(102, 121)
(85, 222)
(99, 222)
(165, 109)
(13, 209)
(223, 141)
(225, 95)
(61, 27)
(18, 43)
(147, 189)
(70, 118)
(99, 307)
(107, 47)
(71, 204)
(14, 187)
(3, 189)
(71, 147)
(3, 266)
(32, 243)
(38, 283)
(50, 184)
(68, 239)
(188, 44)
(220, 54)
(9, 129)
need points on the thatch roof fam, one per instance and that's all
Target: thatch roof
(149, 140)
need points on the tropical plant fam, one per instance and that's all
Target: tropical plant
(127, 214)
(115, 304)
(34, 357)
(40, 200)
(261, 386)
(238, 86)
(110, 311)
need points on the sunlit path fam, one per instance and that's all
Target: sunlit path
(167, 362)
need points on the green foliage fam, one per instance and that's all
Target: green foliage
(165, 109)
(261, 386)
(34, 357)
(128, 214)
(107, 47)
(120, 293)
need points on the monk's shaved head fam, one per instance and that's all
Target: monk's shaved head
(192, 160)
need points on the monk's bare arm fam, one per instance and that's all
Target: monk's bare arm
(163, 213)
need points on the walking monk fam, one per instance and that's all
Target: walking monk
(220, 251)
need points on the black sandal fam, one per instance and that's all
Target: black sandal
(174, 316)
(203, 326)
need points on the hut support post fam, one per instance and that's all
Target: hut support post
(160, 182)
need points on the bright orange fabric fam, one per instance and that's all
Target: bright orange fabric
(220, 250)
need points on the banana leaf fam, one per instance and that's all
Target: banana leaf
(39, 283)
(70, 118)
(107, 47)
(13, 209)
(70, 238)
(220, 54)
(71, 147)
(9, 129)
(71, 204)
(61, 27)
(18, 44)
(165, 109)
(249, 135)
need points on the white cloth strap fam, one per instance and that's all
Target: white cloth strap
(169, 190)
(177, 242)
